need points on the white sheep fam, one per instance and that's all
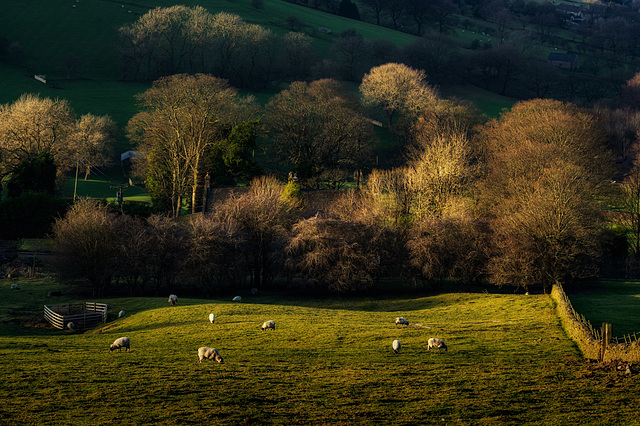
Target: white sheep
(209, 353)
(237, 299)
(173, 299)
(396, 346)
(212, 318)
(119, 343)
(15, 287)
(437, 344)
(121, 314)
(269, 324)
(401, 321)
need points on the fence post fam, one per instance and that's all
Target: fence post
(606, 337)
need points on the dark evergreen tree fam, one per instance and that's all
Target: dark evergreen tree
(34, 174)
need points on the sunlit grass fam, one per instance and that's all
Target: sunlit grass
(328, 361)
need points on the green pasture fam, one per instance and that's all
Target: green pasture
(89, 31)
(103, 183)
(613, 301)
(329, 361)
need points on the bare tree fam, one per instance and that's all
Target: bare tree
(332, 254)
(90, 144)
(261, 217)
(448, 247)
(318, 129)
(547, 166)
(31, 126)
(87, 244)
(398, 89)
(183, 117)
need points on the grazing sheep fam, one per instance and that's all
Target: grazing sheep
(173, 299)
(396, 346)
(15, 287)
(212, 318)
(121, 314)
(71, 325)
(209, 353)
(269, 324)
(401, 321)
(237, 299)
(122, 342)
(437, 344)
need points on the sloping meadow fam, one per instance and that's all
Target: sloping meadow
(328, 361)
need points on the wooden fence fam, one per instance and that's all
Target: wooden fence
(82, 314)
(589, 338)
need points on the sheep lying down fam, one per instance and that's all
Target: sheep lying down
(209, 353)
(122, 342)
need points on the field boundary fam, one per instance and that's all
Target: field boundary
(588, 338)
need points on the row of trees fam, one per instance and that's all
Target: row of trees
(41, 138)
(515, 201)
(177, 39)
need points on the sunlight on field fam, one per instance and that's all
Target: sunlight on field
(328, 360)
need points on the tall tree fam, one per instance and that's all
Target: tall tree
(318, 129)
(398, 89)
(31, 126)
(90, 144)
(183, 117)
(547, 165)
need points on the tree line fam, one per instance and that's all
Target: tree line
(515, 201)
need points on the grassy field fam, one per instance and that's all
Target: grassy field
(328, 361)
(613, 301)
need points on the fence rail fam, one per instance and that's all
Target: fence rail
(82, 314)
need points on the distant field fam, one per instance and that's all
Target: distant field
(613, 301)
(328, 362)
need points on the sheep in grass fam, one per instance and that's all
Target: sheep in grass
(121, 314)
(401, 321)
(436, 344)
(173, 299)
(237, 299)
(396, 346)
(208, 353)
(212, 318)
(269, 324)
(15, 287)
(122, 342)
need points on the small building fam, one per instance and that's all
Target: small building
(571, 11)
(568, 61)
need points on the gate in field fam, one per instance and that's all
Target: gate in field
(81, 314)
